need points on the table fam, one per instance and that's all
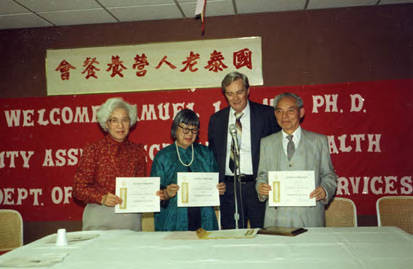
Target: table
(361, 247)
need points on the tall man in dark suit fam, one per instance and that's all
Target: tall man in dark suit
(253, 121)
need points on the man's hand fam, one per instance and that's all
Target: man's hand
(264, 189)
(319, 194)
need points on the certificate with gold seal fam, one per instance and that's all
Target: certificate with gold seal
(197, 189)
(138, 194)
(291, 188)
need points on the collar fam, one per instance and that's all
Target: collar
(296, 134)
(246, 110)
(111, 141)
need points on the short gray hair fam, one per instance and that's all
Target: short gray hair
(297, 98)
(233, 76)
(106, 109)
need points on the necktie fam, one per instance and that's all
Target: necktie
(238, 126)
(290, 147)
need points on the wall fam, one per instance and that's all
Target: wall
(299, 48)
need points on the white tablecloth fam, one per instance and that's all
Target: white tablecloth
(362, 247)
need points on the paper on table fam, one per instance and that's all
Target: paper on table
(197, 189)
(138, 194)
(221, 234)
(34, 261)
(75, 237)
(227, 234)
(181, 235)
(291, 188)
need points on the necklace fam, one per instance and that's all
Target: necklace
(179, 156)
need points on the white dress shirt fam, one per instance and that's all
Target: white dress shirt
(245, 142)
(296, 139)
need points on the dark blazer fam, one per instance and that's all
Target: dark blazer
(263, 123)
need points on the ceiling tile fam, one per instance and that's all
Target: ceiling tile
(55, 5)
(74, 17)
(256, 6)
(10, 7)
(132, 3)
(386, 2)
(16, 13)
(319, 4)
(213, 8)
(21, 21)
(142, 13)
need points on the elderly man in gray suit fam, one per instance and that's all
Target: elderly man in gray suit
(292, 149)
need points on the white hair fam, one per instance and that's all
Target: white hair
(106, 109)
(299, 102)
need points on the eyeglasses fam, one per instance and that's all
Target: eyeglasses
(232, 94)
(187, 130)
(116, 121)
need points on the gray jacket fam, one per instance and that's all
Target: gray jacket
(312, 153)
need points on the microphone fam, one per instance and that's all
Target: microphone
(233, 132)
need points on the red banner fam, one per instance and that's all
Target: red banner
(368, 125)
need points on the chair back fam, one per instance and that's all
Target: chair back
(11, 229)
(395, 211)
(341, 212)
(148, 222)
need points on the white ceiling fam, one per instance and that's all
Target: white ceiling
(46, 13)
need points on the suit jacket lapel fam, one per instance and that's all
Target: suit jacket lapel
(224, 124)
(278, 150)
(253, 123)
(303, 140)
(223, 136)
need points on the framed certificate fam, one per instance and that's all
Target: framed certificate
(138, 194)
(197, 189)
(291, 188)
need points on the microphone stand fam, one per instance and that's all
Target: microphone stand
(236, 177)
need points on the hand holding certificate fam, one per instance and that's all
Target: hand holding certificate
(138, 194)
(197, 189)
(291, 188)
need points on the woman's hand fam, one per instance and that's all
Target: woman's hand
(171, 191)
(221, 188)
(110, 199)
(161, 195)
